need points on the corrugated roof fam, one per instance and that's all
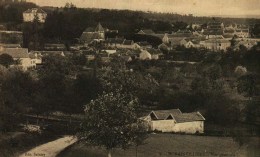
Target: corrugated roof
(16, 52)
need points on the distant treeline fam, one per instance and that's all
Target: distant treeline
(69, 22)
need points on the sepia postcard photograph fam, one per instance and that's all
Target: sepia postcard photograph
(129, 78)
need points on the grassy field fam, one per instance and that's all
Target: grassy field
(172, 145)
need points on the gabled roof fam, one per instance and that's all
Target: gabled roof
(217, 41)
(163, 114)
(35, 10)
(181, 33)
(10, 45)
(144, 43)
(89, 29)
(16, 52)
(229, 31)
(188, 117)
(45, 53)
(146, 31)
(176, 40)
(213, 32)
(228, 35)
(99, 28)
(90, 36)
(177, 115)
(193, 40)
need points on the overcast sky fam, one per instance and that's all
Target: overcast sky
(196, 7)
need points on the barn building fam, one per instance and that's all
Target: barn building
(175, 121)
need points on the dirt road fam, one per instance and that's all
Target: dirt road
(50, 149)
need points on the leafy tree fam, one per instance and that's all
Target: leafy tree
(33, 34)
(54, 80)
(224, 109)
(69, 6)
(134, 83)
(213, 72)
(111, 120)
(256, 30)
(200, 85)
(179, 25)
(79, 60)
(6, 60)
(252, 111)
(16, 92)
(247, 85)
(85, 88)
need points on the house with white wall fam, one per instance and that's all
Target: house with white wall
(145, 55)
(91, 34)
(36, 59)
(20, 55)
(30, 14)
(247, 43)
(175, 121)
(216, 44)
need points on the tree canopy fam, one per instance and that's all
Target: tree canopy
(111, 121)
(6, 60)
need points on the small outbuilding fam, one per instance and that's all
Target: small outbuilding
(145, 55)
(175, 121)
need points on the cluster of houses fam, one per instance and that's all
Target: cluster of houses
(11, 44)
(216, 37)
(11, 41)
